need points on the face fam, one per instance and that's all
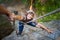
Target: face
(29, 16)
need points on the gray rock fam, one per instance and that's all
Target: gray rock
(32, 33)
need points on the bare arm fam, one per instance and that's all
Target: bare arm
(43, 27)
(18, 17)
(3, 10)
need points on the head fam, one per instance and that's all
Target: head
(30, 15)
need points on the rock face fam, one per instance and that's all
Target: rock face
(5, 26)
(32, 33)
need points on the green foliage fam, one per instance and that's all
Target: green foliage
(24, 1)
(49, 6)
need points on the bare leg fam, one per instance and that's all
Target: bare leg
(43, 27)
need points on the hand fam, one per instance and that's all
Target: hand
(12, 16)
(50, 31)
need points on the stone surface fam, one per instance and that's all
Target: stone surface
(32, 33)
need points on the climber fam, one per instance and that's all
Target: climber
(28, 17)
